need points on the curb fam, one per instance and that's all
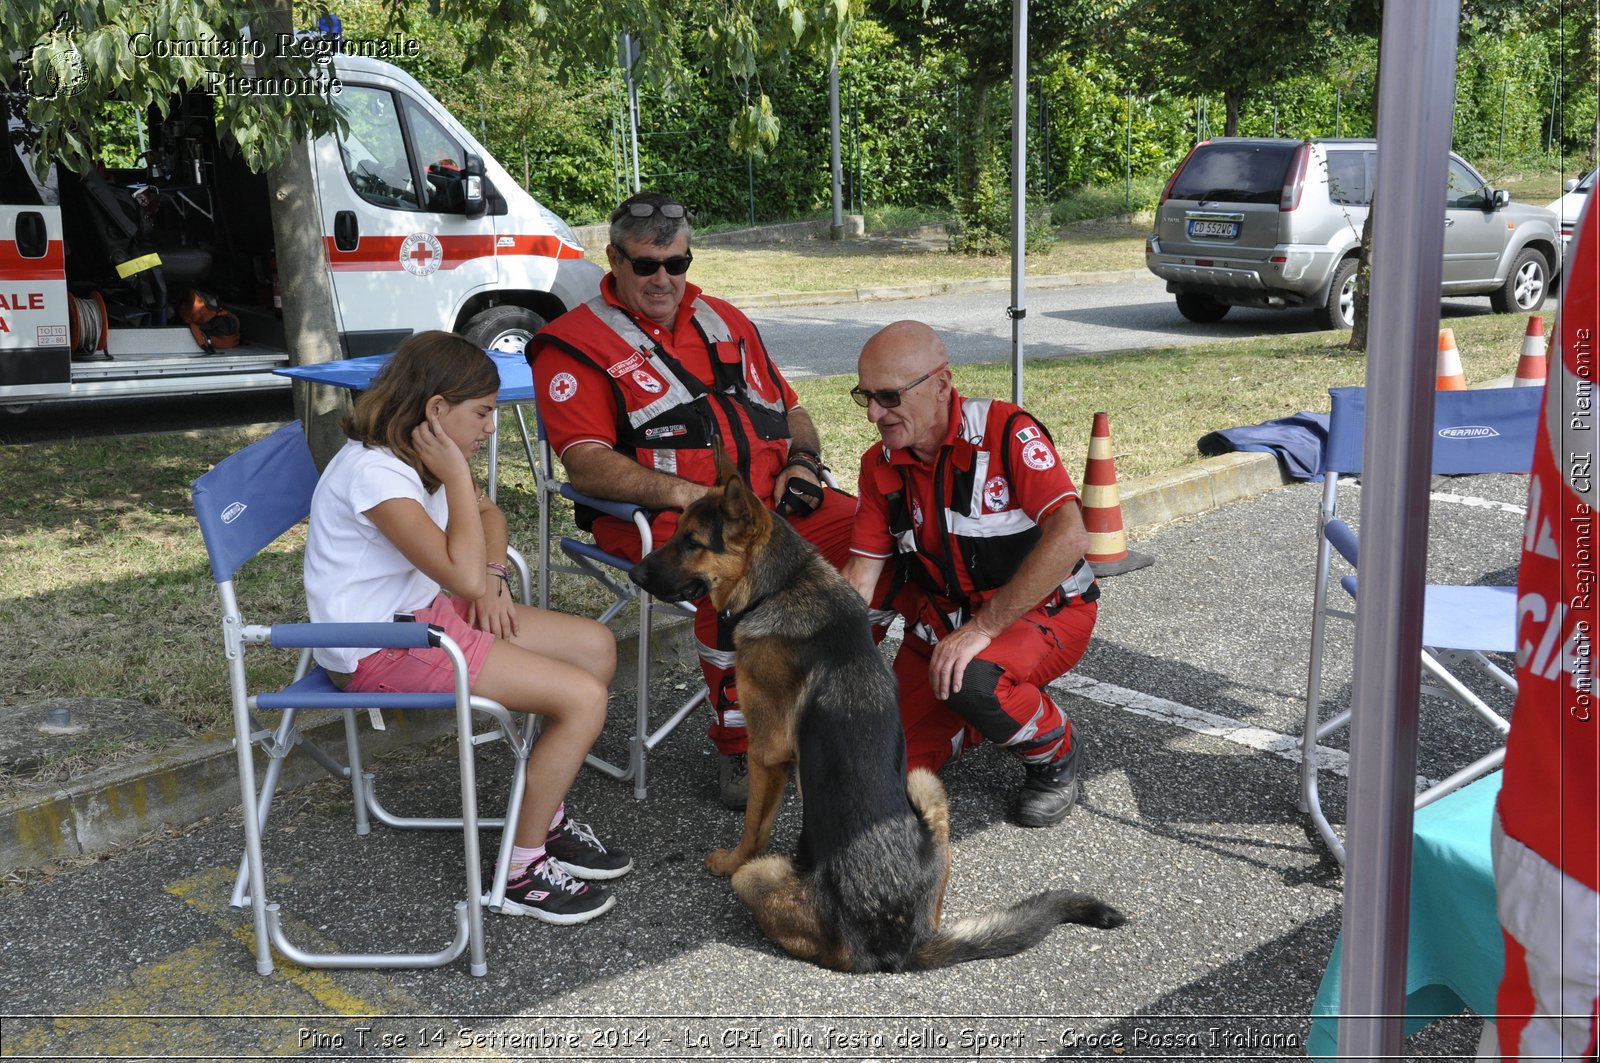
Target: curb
(173, 788)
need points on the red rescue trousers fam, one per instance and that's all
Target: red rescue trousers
(1001, 697)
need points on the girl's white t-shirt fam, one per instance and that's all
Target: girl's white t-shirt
(353, 573)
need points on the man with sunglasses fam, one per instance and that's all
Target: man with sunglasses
(633, 388)
(966, 501)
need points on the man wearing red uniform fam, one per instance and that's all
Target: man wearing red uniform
(1547, 827)
(633, 388)
(967, 500)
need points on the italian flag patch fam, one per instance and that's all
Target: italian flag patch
(1028, 435)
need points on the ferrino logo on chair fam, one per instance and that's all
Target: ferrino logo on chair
(234, 511)
(1468, 431)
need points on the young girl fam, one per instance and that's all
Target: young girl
(398, 526)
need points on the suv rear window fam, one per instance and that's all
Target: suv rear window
(1235, 173)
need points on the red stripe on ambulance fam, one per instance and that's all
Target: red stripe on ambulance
(52, 266)
(382, 253)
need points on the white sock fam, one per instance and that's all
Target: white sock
(561, 814)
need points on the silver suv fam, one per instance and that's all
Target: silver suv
(1276, 223)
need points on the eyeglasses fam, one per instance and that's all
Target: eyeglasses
(676, 266)
(666, 210)
(889, 398)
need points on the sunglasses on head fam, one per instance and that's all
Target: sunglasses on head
(676, 266)
(889, 398)
(666, 210)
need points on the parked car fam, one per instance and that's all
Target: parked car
(1276, 223)
(1570, 205)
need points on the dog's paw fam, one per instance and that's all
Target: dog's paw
(723, 862)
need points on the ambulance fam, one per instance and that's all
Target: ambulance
(163, 279)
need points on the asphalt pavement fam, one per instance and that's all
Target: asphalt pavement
(1187, 822)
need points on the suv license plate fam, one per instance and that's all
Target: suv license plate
(1228, 230)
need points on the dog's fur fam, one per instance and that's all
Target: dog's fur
(865, 890)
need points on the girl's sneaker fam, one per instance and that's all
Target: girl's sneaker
(545, 891)
(584, 855)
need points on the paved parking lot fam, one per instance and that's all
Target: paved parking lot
(1187, 822)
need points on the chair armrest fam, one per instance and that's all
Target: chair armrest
(399, 636)
(620, 510)
(1343, 539)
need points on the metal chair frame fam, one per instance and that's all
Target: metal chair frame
(1513, 412)
(244, 504)
(587, 560)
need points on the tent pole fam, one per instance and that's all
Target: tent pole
(1017, 311)
(1414, 119)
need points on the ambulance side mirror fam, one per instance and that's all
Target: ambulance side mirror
(474, 201)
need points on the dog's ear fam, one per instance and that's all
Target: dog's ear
(739, 503)
(726, 470)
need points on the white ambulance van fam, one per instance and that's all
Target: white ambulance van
(422, 229)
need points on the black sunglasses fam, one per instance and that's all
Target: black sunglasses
(676, 266)
(666, 210)
(889, 398)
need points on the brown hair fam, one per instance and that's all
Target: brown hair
(425, 365)
(655, 228)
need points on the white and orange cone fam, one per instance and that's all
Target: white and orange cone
(1108, 552)
(1450, 377)
(1531, 366)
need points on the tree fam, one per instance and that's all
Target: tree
(76, 58)
(1232, 47)
(980, 31)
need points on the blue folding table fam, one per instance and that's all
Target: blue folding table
(516, 389)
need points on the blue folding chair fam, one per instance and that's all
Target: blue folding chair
(1483, 431)
(610, 572)
(243, 505)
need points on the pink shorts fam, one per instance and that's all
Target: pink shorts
(426, 669)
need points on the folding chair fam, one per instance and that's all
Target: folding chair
(610, 572)
(1484, 431)
(243, 505)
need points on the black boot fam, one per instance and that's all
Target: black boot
(1050, 790)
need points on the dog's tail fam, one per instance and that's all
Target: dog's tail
(1011, 930)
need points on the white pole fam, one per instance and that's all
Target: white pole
(1019, 188)
(1414, 118)
(837, 230)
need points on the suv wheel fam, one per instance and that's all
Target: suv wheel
(506, 329)
(1202, 308)
(1340, 309)
(1525, 286)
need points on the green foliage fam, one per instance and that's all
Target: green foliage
(97, 53)
(983, 218)
(734, 106)
(1234, 48)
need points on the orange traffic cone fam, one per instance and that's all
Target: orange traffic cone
(1531, 366)
(1108, 551)
(1450, 377)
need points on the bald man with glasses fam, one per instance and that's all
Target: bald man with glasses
(634, 386)
(965, 502)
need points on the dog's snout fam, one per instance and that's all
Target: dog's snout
(639, 573)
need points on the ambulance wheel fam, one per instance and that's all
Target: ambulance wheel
(506, 329)
(16, 409)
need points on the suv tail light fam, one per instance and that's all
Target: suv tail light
(1167, 191)
(1294, 181)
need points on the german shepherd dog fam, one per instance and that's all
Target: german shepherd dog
(865, 890)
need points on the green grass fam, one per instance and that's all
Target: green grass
(822, 265)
